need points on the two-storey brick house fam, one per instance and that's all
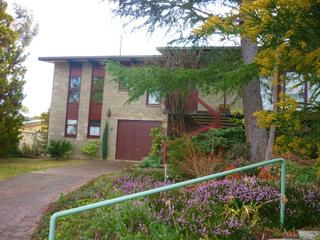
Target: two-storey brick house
(84, 97)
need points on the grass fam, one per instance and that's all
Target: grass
(11, 167)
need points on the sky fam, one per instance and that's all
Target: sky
(75, 28)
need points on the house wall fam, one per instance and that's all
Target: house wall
(113, 99)
(215, 100)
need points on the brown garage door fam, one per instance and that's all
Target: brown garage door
(133, 139)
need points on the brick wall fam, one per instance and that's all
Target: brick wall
(113, 99)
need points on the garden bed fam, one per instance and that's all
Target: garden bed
(245, 208)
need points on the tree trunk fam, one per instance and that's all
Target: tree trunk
(275, 100)
(252, 102)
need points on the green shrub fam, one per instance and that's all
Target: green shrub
(302, 174)
(91, 149)
(59, 149)
(204, 153)
(150, 162)
(158, 138)
(105, 142)
(220, 139)
(188, 159)
(238, 152)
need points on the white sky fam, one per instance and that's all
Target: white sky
(75, 28)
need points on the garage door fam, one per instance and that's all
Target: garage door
(133, 139)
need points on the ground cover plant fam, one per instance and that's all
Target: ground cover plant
(244, 208)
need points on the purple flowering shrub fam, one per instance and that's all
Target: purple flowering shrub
(303, 207)
(199, 211)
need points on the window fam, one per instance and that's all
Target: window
(153, 98)
(97, 89)
(94, 128)
(71, 128)
(96, 99)
(123, 85)
(73, 99)
(74, 90)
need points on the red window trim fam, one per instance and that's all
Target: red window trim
(75, 70)
(97, 71)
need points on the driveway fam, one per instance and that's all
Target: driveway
(24, 199)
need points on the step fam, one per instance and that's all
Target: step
(308, 235)
(283, 239)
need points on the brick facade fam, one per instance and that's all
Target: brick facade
(114, 101)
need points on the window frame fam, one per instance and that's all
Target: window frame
(68, 125)
(75, 71)
(148, 100)
(90, 125)
(97, 73)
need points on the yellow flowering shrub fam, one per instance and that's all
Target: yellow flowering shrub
(289, 125)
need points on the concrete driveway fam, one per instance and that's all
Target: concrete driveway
(23, 199)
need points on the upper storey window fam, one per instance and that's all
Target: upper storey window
(97, 89)
(74, 89)
(71, 127)
(95, 107)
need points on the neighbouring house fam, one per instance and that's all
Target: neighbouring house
(84, 98)
(30, 132)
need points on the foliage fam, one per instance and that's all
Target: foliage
(152, 161)
(241, 76)
(238, 154)
(223, 209)
(105, 141)
(302, 174)
(298, 129)
(131, 220)
(287, 32)
(16, 34)
(158, 138)
(188, 159)
(303, 206)
(59, 149)
(207, 152)
(91, 149)
(43, 138)
(248, 214)
(220, 138)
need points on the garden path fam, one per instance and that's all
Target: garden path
(23, 199)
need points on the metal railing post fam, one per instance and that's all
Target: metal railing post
(283, 192)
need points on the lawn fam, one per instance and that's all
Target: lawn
(11, 167)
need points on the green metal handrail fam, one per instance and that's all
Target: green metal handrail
(113, 201)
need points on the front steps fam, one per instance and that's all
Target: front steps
(203, 118)
(303, 235)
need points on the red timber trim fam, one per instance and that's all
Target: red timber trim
(216, 114)
(73, 107)
(95, 108)
(215, 124)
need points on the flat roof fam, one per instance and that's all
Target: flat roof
(124, 58)
(130, 58)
